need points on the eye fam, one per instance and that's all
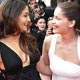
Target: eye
(40, 22)
(26, 14)
(57, 18)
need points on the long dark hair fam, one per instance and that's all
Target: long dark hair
(9, 25)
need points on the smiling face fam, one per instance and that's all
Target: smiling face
(61, 24)
(41, 24)
(24, 20)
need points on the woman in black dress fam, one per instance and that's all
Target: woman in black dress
(18, 49)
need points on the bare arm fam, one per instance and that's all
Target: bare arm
(43, 64)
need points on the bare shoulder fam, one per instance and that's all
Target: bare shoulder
(46, 44)
(48, 39)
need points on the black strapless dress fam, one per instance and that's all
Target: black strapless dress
(13, 65)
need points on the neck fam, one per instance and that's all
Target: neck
(69, 37)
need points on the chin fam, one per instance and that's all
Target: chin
(23, 31)
(55, 31)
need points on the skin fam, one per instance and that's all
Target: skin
(13, 41)
(41, 24)
(24, 20)
(49, 29)
(32, 4)
(61, 24)
(66, 45)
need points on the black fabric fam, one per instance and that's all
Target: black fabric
(39, 37)
(1, 75)
(13, 65)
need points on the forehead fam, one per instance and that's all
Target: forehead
(32, 1)
(58, 12)
(26, 9)
(41, 19)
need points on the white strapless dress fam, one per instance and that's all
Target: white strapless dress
(61, 69)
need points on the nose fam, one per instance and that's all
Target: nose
(53, 21)
(28, 18)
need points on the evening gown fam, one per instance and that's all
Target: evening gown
(61, 69)
(13, 65)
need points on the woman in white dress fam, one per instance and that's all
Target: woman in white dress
(61, 54)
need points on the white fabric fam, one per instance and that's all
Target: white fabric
(47, 2)
(63, 70)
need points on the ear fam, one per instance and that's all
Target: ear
(72, 23)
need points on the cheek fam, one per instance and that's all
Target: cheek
(45, 25)
(63, 24)
(38, 25)
(64, 27)
(21, 24)
(20, 21)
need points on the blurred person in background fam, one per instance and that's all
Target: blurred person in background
(32, 4)
(49, 30)
(39, 31)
